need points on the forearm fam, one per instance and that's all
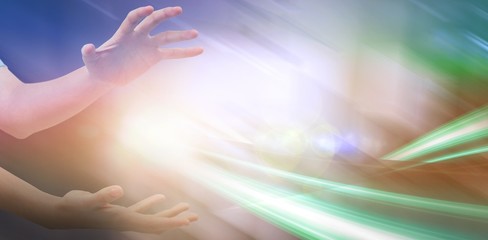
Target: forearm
(23, 199)
(34, 107)
(131, 51)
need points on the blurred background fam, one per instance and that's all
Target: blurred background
(316, 119)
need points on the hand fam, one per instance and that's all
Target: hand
(80, 209)
(132, 50)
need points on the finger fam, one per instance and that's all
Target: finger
(174, 211)
(153, 224)
(106, 195)
(88, 52)
(192, 217)
(174, 36)
(151, 21)
(147, 203)
(133, 18)
(172, 53)
(174, 222)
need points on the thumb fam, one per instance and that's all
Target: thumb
(88, 52)
(106, 195)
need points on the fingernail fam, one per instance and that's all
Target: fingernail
(193, 33)
(115, 192)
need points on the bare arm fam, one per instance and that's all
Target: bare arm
(21, 198)
(80, 209)
(29, 108)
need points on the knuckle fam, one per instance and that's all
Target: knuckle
(151, 19)
(163, 37)
(133, 16)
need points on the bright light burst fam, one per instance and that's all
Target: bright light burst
(155, 132)
(302, 105)
(303, 215)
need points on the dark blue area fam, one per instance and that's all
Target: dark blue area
(41, 40)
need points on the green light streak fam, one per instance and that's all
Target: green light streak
(458, 154)
(305, 216)
(254, 201)
(394, 199)
(448, 157)
(445, 136)
(453, 142)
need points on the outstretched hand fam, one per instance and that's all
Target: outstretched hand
(81, 209)
(132, 50)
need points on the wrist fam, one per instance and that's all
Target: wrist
(100, 82)
(45, 211)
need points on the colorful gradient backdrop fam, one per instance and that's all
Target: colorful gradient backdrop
(357, 119)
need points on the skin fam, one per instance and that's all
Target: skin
(28, 108)
(81, 209)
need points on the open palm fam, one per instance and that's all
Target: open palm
(132, 50)
(81, 209)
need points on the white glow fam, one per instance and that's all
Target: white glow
(157, 134)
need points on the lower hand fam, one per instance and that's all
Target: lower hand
(81, 209)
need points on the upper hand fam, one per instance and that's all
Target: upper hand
(132, 50)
